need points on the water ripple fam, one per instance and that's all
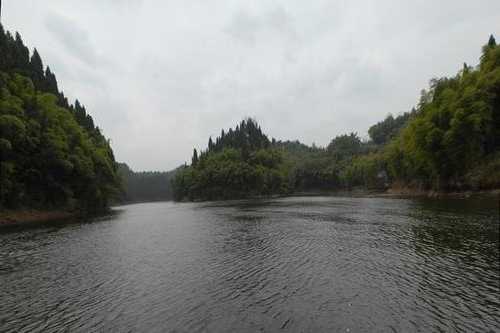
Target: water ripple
(309, 264)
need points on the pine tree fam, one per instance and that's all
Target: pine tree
(36, 62)
(36, 69)
(62, 100)
(492, 42)
(194, 160)
(210, 144)
(80, 113)
(21, 53)
(51, 82)
(3, 48)
(486, 51)
(3, 38)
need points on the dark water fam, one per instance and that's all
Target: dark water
(308, 264)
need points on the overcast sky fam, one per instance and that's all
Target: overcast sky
(160, 77)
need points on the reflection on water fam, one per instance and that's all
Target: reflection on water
(295, 264)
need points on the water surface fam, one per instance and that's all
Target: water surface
(300, 264)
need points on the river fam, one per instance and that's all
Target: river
(298, 264)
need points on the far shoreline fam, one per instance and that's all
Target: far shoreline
(404, 193)
(21, 217)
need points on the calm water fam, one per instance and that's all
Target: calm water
(304, 264)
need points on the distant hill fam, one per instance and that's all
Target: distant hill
(145, 186)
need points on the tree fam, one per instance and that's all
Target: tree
(345, 146)
(194, 160)
(36, 69)
(383, 131)
(50, 82)
(19, 53)
(492, 42)
(210, 144)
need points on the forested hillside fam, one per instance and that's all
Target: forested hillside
(453, 142)
(146, 185)
(52, 154)
(450, 141)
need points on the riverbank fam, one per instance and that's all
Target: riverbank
(400, 193)
(410, 193)
(32, 216)
(392, 193)
(28, 216)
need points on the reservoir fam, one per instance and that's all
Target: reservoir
(297, 264)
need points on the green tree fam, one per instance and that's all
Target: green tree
(194, 160)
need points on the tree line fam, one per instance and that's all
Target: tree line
(450, 141)
(145, 185)
(51, 153)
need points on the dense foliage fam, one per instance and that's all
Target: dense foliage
(240, 163)
(456, 131)
(386, 130)
(449, 141)
(146, 185)
(51, 154)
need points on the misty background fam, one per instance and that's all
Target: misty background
(160, 77)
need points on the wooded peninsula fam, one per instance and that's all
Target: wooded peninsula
(450, 141)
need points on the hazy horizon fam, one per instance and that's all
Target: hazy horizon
(160, 78)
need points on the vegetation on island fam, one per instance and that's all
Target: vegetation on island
(52, 155)
(449, 142)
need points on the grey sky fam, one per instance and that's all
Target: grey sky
(159, 77)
